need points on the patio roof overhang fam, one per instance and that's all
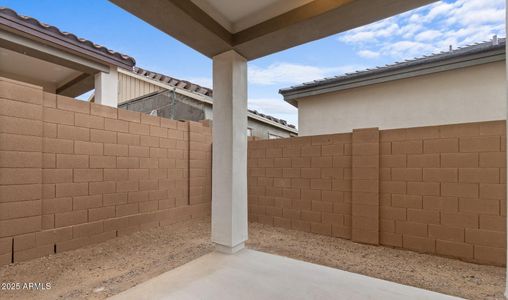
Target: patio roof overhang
(258, 28)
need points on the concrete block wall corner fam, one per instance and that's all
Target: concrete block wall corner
(74, 173)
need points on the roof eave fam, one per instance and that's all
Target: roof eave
(291, 101)
(12, 22)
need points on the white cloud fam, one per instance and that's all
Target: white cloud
(410, 30)
(372, 32)
(431, 28)
(483, 16)
(368, 54)
(288, 73)
(202, 81)
(360, 37)
(284, 73)
(437, 10)
(274, 105)
(428, 35)
(407, 49)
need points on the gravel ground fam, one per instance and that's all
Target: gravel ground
(102, 270)
(448, 276)
(106, 269)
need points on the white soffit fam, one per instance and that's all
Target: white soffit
(237, 15)
(33, 69)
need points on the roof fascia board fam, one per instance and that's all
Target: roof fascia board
(30, 47)
(414, 71)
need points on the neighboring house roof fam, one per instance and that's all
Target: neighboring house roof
(11, 20)
(271, 118)
(204, 95)
(471, 55)
(182, 84)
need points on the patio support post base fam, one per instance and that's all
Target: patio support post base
(229, 167)
(229, 250)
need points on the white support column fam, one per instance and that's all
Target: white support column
(229, 174)
(106, 88)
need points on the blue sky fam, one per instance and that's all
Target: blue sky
(425, 30)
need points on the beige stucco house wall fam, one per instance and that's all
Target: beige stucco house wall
(465, 95)
(463, 87)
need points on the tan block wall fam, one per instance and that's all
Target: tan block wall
(439, 190)
(302, 183)
(443, 190)
(200, 166)
(365, 198)
(74, 173)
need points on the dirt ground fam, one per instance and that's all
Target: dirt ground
(448, 276)
(102, 270)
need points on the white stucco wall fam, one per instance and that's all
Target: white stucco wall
(470, 94)
(106, 87)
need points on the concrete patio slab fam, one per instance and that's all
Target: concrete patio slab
(251, 274)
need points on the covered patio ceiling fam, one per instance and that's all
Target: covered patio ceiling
(262, 27)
